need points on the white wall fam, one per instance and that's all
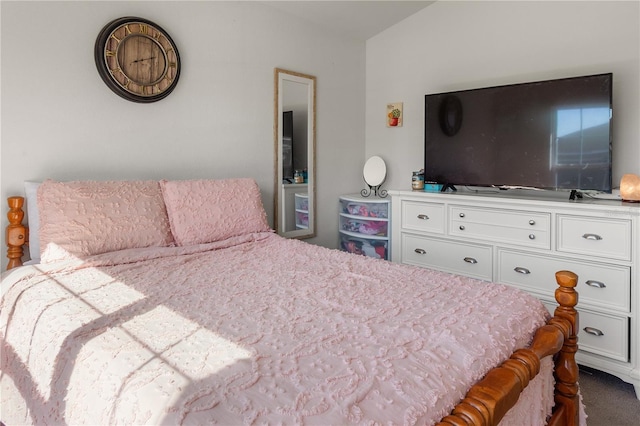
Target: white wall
(469, 44)
(60, 121)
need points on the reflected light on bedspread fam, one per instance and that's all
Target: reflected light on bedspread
(60, 311)
(78, 319)
(148, 369)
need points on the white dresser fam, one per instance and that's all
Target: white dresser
(522, 241)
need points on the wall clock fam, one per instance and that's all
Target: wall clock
(137, 59)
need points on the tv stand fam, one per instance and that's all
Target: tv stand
(523, 242)
(575, 194)
(447, 186)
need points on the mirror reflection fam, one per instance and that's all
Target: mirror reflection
(294, 134)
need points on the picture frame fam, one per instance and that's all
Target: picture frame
(394, 114)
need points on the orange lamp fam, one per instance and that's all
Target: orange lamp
(630, 188)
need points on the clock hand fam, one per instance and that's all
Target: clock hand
(141, 60)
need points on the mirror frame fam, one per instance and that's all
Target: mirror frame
(281, 76)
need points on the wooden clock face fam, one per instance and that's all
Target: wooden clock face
(137, 59)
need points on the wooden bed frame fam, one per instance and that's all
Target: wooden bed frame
(487, 401)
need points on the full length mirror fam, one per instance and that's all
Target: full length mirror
(294, 134)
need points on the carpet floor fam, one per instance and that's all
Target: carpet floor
(608, 400)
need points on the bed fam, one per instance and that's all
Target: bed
(173, 302)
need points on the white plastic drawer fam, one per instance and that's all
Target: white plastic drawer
(368, 227)
(601, 334)
(364, 208)
(528, 229)
(609, 238)
(424, 217)
(302, 219)
(302, 201)
(473, 260)
(599, 285)
(370, 247)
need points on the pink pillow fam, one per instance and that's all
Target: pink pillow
(204, 211)
(83, 218)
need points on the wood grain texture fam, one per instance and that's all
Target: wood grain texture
(16, 232)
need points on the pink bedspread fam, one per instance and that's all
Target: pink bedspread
(254, 330)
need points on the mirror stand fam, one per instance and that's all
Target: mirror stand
(375, 190)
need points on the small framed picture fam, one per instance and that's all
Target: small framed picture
(394, 114)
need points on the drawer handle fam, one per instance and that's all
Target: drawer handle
(594, 283)
(595, 237)
(420, 251)
(532, 222)
(461, 215)
(423, 217)
(593, 331)
(532, 237)
(521, 270)
(470, 260)
(462, 227)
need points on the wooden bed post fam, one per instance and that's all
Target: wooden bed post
(488, 401)
(17, 234)
(566, 369)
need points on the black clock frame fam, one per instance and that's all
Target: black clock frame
(105, 72)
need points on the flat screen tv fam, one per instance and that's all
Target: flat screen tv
(553, 135)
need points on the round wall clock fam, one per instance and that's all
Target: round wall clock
(137, 59)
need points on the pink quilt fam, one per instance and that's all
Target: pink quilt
(252, 330)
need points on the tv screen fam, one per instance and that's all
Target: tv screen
(553, 134)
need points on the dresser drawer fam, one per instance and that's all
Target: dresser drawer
(508, 226)
(364, 226)
(604, 334)
(423, 217)
(609, 238)
(473, 260)
(601, 334)
(599, 285)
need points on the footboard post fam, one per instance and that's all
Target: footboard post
(566, 369)
(488, 400)
(16, 235)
